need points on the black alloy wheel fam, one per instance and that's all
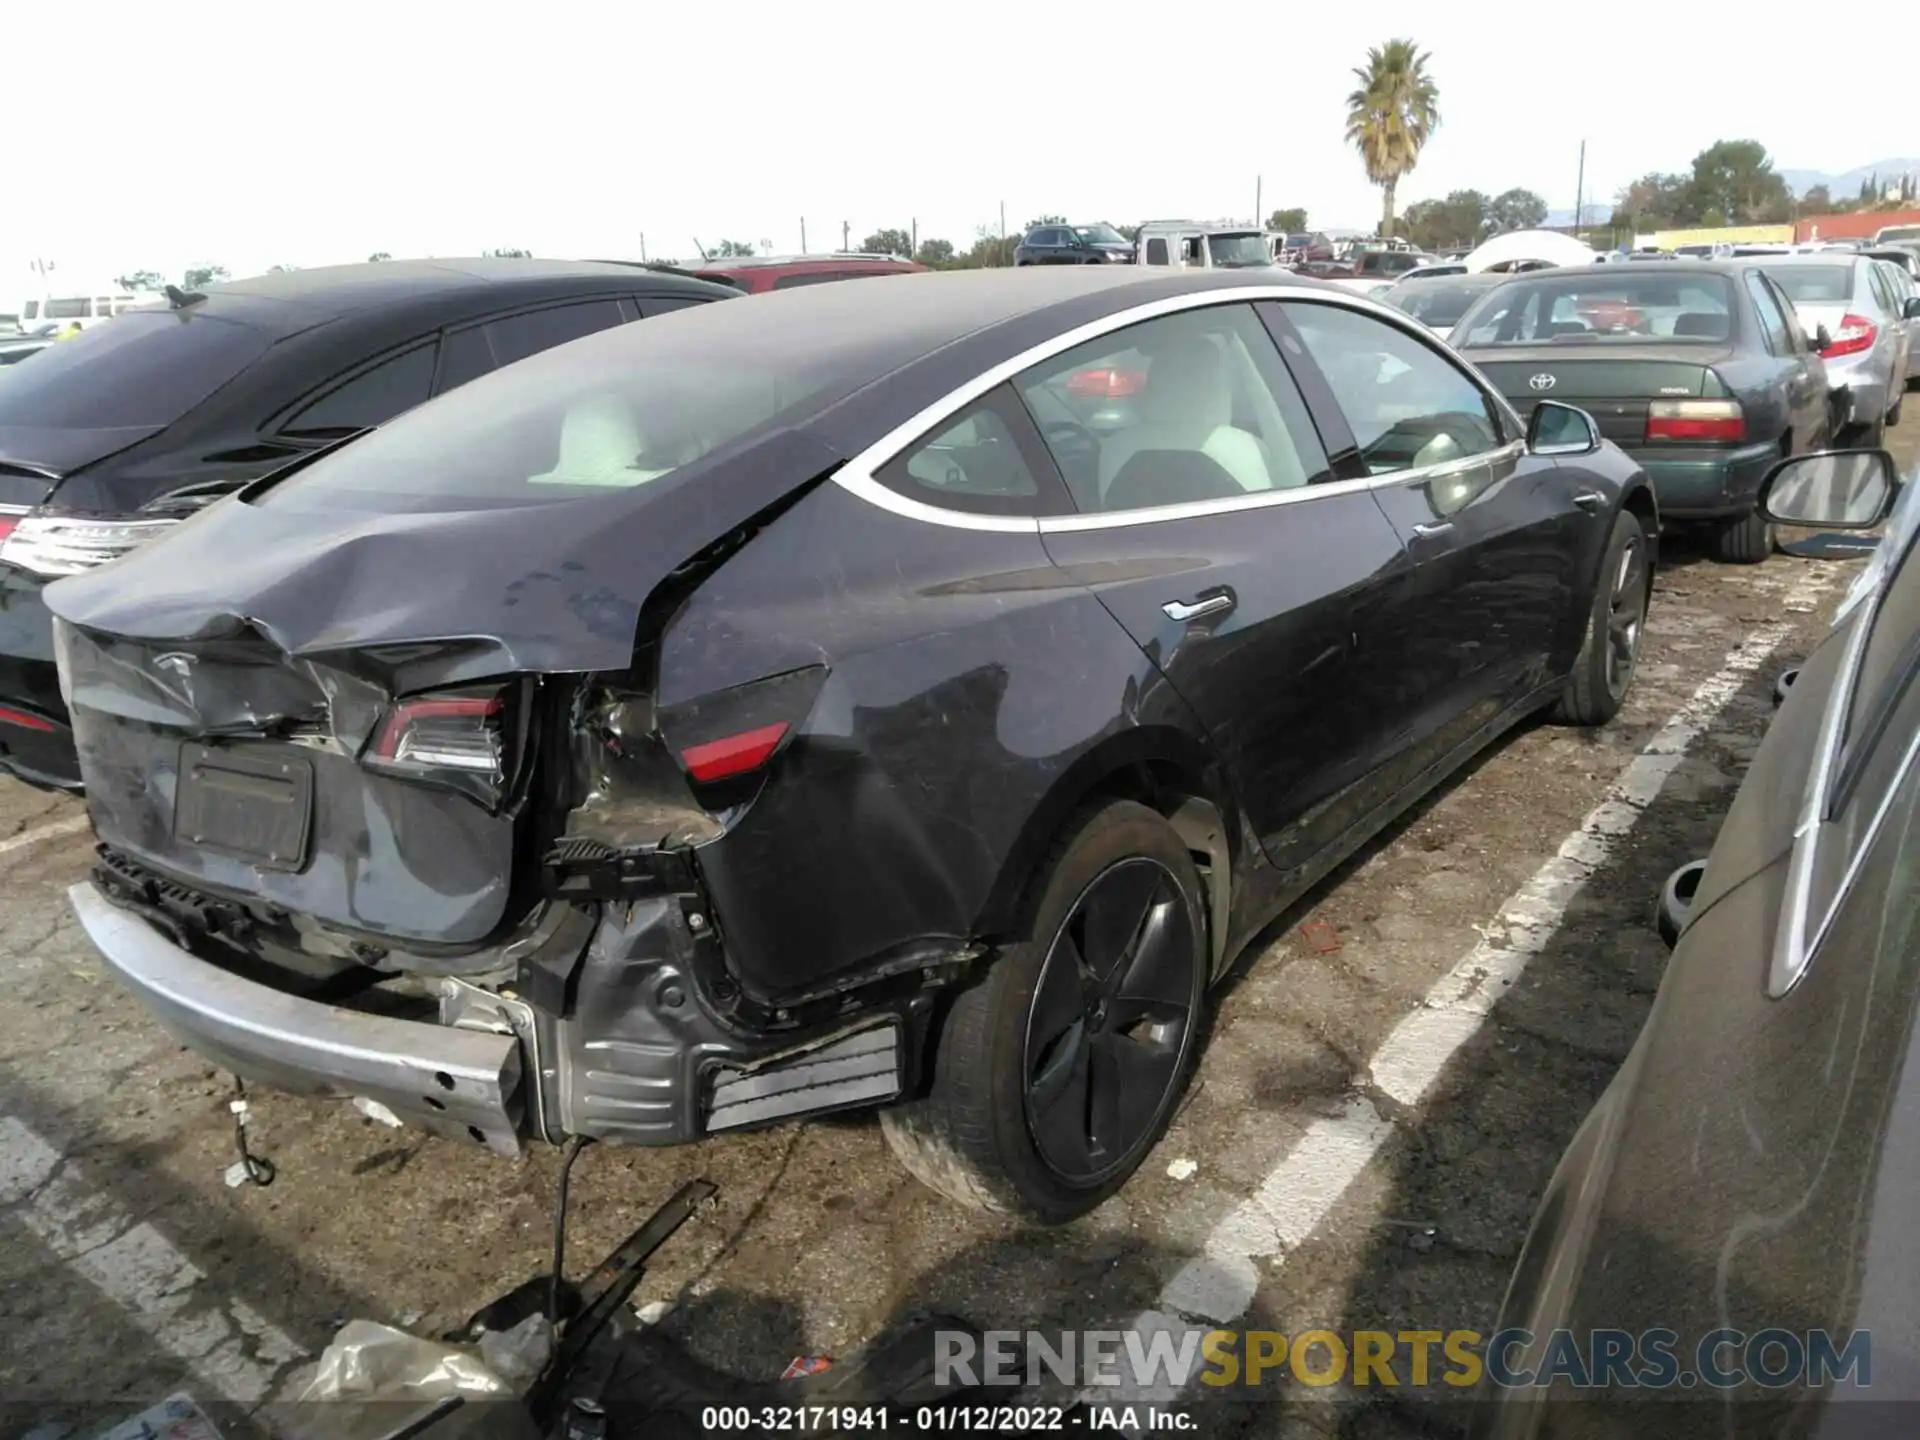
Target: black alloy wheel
(1055, 1072)
(1626, 617)
(1107, 1029)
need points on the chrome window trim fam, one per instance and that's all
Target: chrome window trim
(859, 474)
(1797, 937)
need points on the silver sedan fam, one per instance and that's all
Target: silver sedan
(1867, 323)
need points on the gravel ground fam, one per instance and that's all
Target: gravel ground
(129, 1268)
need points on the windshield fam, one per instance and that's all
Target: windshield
(1435, 303)
(619, 409)
(1099, 235)
(1900, 232)
(149, 367)
(1609, 307)
(1814, 284)
(1299, 240)
(1231, 250)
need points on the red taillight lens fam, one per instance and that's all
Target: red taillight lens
(732, 755)
(734, 733)
(455, 737)
(1716, 421)
(22, 720)
(8, 520)
(1857, 333)
(1105, 383)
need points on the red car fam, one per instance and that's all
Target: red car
(755, 273)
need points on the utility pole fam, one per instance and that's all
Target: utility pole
(913, 247)
(846, 228)
(803, 234)
(643, 247)
(1000, 254)
(1256, 201)
(1580, 192)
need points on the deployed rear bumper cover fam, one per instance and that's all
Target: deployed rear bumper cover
(460, 1083)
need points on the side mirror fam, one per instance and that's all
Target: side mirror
(1822, 339)
(1556, 429)
(1834, 489)
(1911, 310)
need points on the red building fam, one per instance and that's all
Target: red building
(1861, 225)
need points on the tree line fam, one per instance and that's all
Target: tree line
(1733, 182)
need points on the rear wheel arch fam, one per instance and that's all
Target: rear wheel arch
(1161, 767)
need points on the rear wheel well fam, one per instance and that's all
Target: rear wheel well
(1179, 791)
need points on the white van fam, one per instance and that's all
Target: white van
(1202, 244)
(63, 311)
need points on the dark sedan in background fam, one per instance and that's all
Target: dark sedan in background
(792, 705)
(1698, 369)
(110, 438)
(1073, 245)
(1749, 1180)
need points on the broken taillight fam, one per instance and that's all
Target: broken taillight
(734, 733)
(450, 737)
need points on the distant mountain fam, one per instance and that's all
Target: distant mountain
(1848, 182)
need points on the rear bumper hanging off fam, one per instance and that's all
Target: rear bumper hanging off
(461, 1083)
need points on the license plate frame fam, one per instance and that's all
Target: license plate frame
(251, 805)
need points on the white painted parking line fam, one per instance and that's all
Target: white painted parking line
(1217, 1286)
(227, 1344)
(72, 825)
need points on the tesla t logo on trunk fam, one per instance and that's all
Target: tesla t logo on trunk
(181, 665)
(1542, 382)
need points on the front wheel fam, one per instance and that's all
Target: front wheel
(1610, 649)
(1057, 1071)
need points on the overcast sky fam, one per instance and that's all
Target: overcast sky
(178, 134)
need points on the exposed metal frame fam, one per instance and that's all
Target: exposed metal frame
(859, 473)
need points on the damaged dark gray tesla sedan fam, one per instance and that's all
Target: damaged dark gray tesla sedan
(830, 699)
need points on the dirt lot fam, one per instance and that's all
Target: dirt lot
(1382, 1191)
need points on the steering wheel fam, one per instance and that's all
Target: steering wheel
(1077, 449)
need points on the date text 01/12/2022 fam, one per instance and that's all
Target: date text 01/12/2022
(931, 1419)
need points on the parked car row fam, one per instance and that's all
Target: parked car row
(467, 726)
(544, 725)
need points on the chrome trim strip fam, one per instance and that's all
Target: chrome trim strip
(857, 475)
(1793, 946)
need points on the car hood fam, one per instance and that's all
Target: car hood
(56, 453)
(546, 588)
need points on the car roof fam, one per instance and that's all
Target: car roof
(837, 259)
(289, 301)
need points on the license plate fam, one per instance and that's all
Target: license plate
(255, 806)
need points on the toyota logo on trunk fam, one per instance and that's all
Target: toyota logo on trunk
(1542, 382)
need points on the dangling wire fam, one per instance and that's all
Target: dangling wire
(554, 1281)
(256, 1168)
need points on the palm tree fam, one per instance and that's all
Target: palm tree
(1391, 116)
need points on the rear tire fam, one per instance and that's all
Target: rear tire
(1610, 649)
(1002, 1126)
(1746, 541)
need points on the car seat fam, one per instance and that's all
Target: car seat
(1186, 404)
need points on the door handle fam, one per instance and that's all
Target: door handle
(1432, 528)
(1589, 500)
(1185, 610)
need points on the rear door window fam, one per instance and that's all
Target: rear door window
(1192, 407)
(149, 367)
(1157, 251)
(372, 397)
